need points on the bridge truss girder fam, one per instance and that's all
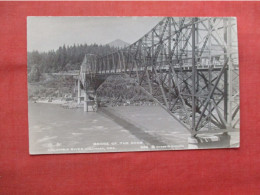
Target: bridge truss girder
(189, 66)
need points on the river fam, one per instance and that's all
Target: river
(54, 129)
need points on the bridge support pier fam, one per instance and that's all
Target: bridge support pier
(209, 141)
(86, 101)
(79, 91)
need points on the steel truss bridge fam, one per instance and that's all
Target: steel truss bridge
(189, 66)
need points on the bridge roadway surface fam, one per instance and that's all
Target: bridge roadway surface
(164, 68)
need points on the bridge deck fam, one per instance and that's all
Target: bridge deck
(164, 68)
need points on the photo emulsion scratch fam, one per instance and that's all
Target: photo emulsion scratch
(118, 84)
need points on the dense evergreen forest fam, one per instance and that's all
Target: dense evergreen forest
(63, 59)
(115, 90)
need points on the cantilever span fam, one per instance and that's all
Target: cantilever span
(187, 65)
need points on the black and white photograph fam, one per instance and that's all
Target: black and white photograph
(124, 84)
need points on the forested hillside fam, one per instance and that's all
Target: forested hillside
(115, 90)
(119, 89)
(65, 58)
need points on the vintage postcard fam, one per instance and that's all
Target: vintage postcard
(118, 84)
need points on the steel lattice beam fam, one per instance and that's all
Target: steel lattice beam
(188, 65)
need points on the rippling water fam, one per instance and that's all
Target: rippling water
(53, 129)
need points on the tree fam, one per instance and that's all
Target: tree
(55, 61)
(34, 75)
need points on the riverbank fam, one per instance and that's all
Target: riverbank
(47, 101)
(102, 103)
(63, 103)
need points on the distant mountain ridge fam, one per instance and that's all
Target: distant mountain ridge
(118, 43)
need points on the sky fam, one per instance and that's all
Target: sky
(48, 33)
